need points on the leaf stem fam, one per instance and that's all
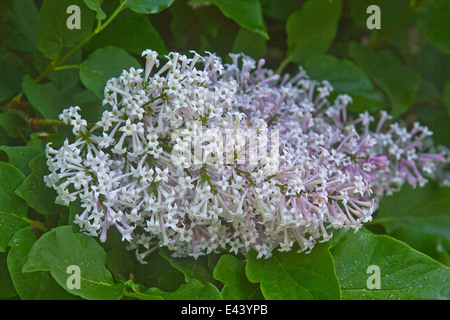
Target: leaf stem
(67, 66)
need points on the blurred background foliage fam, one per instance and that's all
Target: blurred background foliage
(404, 68)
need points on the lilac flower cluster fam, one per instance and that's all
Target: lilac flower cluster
(320, 174)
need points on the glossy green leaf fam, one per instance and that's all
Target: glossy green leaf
(34, 190)
(425, 242)
(59, 249)
(446, 96)
(246, 13)
(192, 290)
(397, 81)
(20, 156)
(10, 223)
(35, 285)
(170, 280)
(346, 78)
(395, 17)
(311, 29)
(158, 272)
(295, 276)
(103, 64)
(433, 23)
(231, 272)
(53, 32)
(404, 272)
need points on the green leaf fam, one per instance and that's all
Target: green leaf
(24, 16)
(192, 290)
(404, 272)
(346, 78)
(295, 276)
(428, 62)
(103, 64)
(20, 156)
(120, 260)
(192, 268)
(394, 14)
(12, 208)
(423, 241)
(12, 70)
(311, 29)
(34, 190)
(4, 137)
(6, 286)
(68, 78)
(45, 98)
(170, 280)
(60, 248)
(91, 106)
(10, 179)
(96, 5)
(36, 285)
(156, 273)
(231, 272)
(425, 210)
(121, 32)
(246, 13)
(397, 81)
(53, 33)
(249, 43)
(182, 17)
(147, 6)
(138, 292)
(9, 224)
(433, 24)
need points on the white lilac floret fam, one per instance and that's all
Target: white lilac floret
(135, 170)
